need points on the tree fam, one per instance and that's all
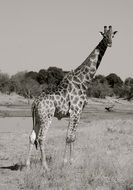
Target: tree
(25, 84)
(128, 81)
(128, 88)
(118, 90)
(13, 87)
(100, 79)
(16, 82)
(4, 83)
(114, 80)
(54, 76)
(42, 76)
(99, 90)
(30, 88)
(31, 74)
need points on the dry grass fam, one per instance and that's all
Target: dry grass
(103, 158)
(12, 99)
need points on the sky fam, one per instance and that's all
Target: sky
(37, 34)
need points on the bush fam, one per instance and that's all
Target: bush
(4, 83)
(55, 75)
(114, 80)
(30, 88)
(99, 90)
(42, 76)
(128, 81)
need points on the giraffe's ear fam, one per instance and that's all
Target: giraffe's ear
(101, 33)
(115, 32)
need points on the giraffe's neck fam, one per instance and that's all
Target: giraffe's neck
(87, 69)
(102, 46)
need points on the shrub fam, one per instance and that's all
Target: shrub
(99, 90)
(4, 83)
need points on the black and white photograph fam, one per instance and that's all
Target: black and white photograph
(66, 95)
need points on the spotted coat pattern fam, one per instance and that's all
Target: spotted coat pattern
(69, 98)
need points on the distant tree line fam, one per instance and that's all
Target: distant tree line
(30, 84)
(111, 85)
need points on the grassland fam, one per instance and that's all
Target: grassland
(103, 158)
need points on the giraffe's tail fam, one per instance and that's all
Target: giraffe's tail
(33, 117)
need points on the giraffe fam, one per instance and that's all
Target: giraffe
(67, 100)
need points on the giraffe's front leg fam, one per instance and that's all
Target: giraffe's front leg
(71, 137)
(43, 155)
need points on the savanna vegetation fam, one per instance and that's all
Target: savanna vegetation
(30, 84)
(103, 152)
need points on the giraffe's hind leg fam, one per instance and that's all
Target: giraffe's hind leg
(32, 139)
(45, 124)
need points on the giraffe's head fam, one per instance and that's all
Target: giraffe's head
(108, 34)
